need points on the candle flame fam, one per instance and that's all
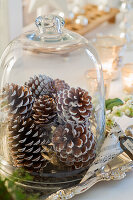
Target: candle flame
(129, 80)
(108, 67)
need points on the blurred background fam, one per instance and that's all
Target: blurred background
(18, 15)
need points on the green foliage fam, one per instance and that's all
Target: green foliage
(110, 103)
(21, 175)
(9, 190)
(4, 194)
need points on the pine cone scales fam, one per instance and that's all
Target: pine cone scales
(25, 141)
(75, 145)
(74, 105)
(44, 110)
(60, 85)
(40, 85)
(19, 100)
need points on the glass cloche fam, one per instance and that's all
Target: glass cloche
(52, 117)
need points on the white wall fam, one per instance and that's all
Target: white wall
(4, 30)
(11, 21)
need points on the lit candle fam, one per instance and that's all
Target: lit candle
(107, 66)
(111, 68)
(92, 82)
(108, 49)
(127, 78)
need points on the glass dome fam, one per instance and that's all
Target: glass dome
(52, 117)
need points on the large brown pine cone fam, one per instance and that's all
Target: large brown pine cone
(74, 105)
(25, 143)
(60, 85)
(41, 85)
(18, 101)
(75, 145)
(44, 110)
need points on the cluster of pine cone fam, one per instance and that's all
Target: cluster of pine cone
(37, 106)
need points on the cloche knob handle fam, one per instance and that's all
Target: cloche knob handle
(50, 26)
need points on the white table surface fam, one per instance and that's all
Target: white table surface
(111, 190)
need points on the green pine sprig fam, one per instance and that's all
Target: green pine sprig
(10, 190)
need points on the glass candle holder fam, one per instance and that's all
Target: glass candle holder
(109, 49)
(91, 78)
(127, 78)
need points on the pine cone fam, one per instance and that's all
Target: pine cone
(25, 142)
(41, 85)
(75, 145)
(18, 101)
(44, 110)
(60, 85)
(74, 105)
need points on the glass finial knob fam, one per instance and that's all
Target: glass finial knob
(50, 24)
